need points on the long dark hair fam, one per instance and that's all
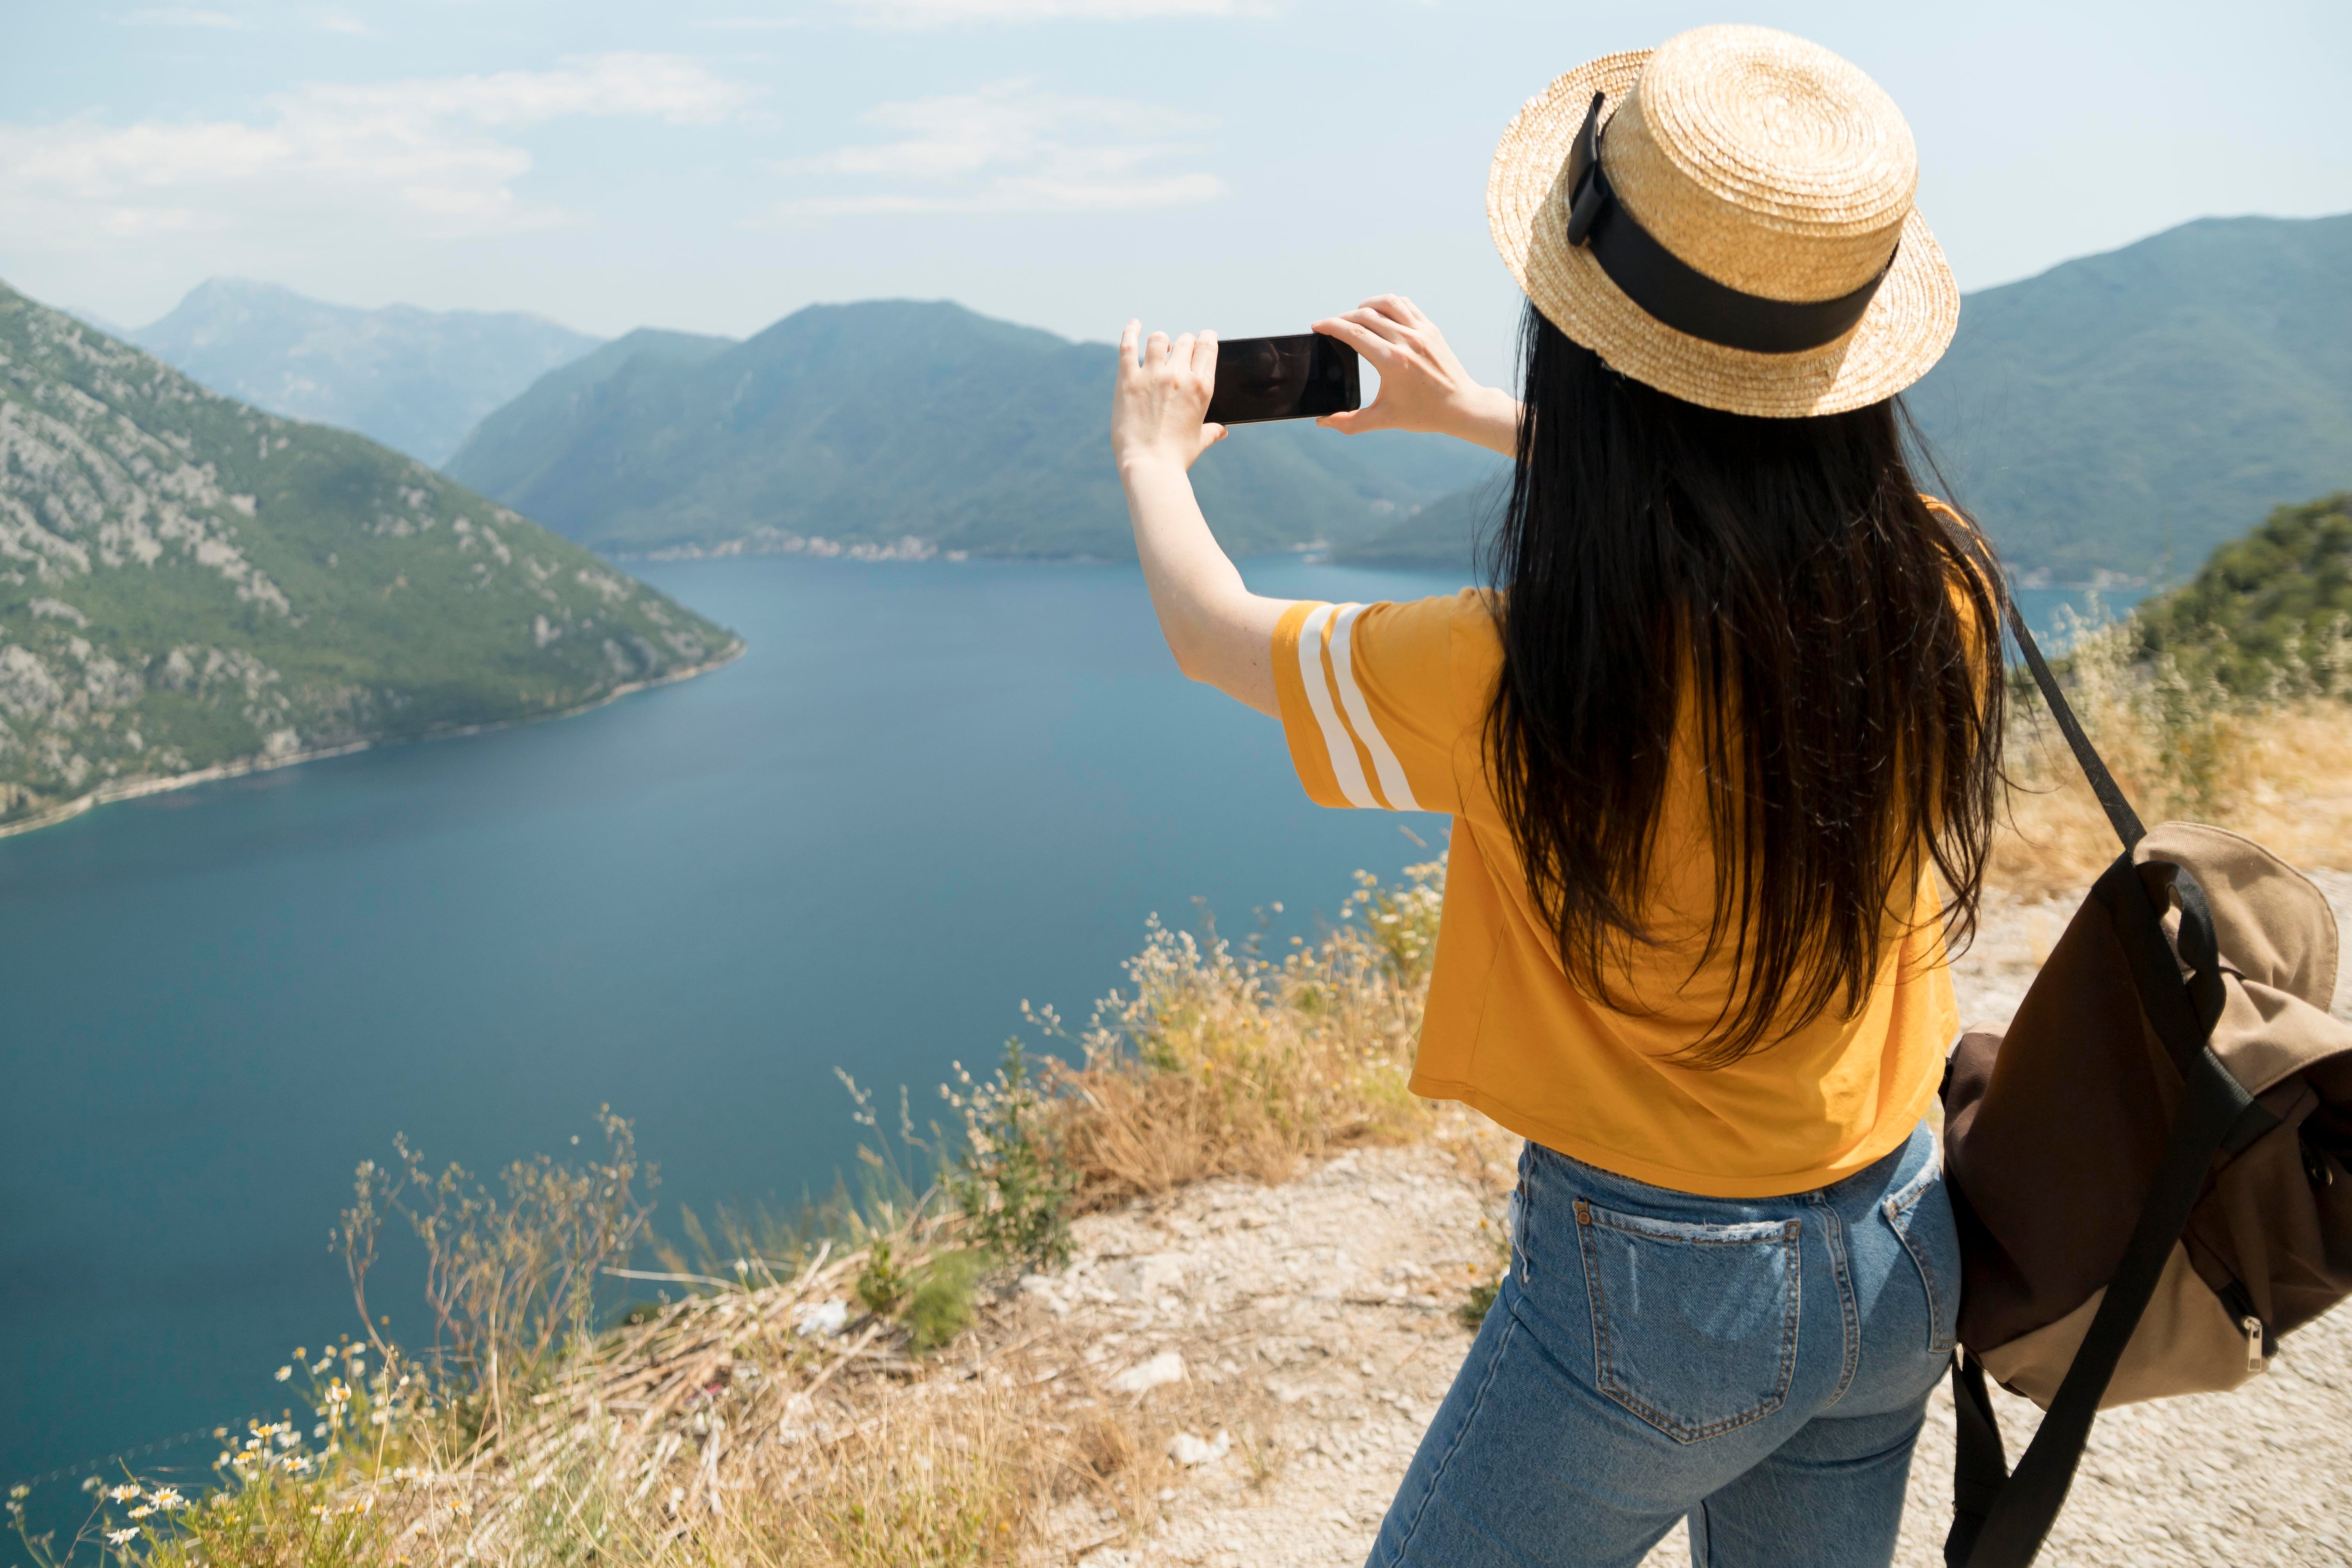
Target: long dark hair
(1842, 642)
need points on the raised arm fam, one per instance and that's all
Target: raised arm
(1221, 632)
(1422, 384)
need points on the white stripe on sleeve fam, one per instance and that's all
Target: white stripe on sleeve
(1384, 760)
(1345, 766)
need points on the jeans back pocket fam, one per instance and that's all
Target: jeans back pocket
(1920, 1214)
(1694, 1326)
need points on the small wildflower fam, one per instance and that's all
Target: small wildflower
(118, 1537)
(284, 1373)
(123, 1493)
(142, 1512)
(167, 1497)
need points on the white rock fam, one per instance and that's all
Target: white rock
(1145, 1279)
(821, 1317)
(1189, 1450)
(1166, 1368)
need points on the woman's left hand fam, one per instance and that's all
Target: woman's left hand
(1161, 398)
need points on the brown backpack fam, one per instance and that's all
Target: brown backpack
(2149, 1165)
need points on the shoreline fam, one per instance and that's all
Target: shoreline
(115, 791)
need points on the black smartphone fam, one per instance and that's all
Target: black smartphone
(1296, 377)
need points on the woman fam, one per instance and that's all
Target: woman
(1732, 707)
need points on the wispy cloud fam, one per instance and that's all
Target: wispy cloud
(350, 26)
(1008, 148)
(943, 13)
(182, 16)
(428, 151)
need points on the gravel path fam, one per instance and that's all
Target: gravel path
(1316, 1315)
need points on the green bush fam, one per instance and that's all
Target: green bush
(941, 1305)
(881, 1283)
(1012, 1178)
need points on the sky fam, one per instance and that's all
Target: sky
(1248, 165)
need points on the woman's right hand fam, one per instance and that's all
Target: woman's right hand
(1423, 385)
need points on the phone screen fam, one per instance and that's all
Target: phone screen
(1296, 377)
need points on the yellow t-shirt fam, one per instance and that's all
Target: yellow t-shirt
(1384, 705)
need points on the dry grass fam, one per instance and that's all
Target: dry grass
(1221, 1061)
(716, 1433)
(2275, 765)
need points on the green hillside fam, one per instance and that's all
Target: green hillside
(512, 449)
(2124, 412)
(2280, 595)
(187, 582)
(1444, 536)
(2140, 405)
(897, 420)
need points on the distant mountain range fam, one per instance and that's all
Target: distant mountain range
(415, 380)
(188, 583)
(2123, 413)
(906, 427)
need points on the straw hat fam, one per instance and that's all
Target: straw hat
(1752, 192)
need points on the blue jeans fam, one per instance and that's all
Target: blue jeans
(1760, 1366)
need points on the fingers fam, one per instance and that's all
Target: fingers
(1355, 422)
(1204, 356)
(1155, 350)
(1381, 322)
(1127, 338)
(1396, 308)
(1356, 336)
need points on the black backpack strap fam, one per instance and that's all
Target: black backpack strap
(2000, 1517)
(1980, 1463)
(2120, 814)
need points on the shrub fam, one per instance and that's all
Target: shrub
(1011, 1179)
(941, 1305)
(881, 1283)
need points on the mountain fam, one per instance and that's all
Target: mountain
(2125, 408)
(1444, 536)
(895, 421)
(512, 449)
(2279, 596)
(2124, 413)
(414, 380)
(187, 583)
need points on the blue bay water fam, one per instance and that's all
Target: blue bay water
(926, 793)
